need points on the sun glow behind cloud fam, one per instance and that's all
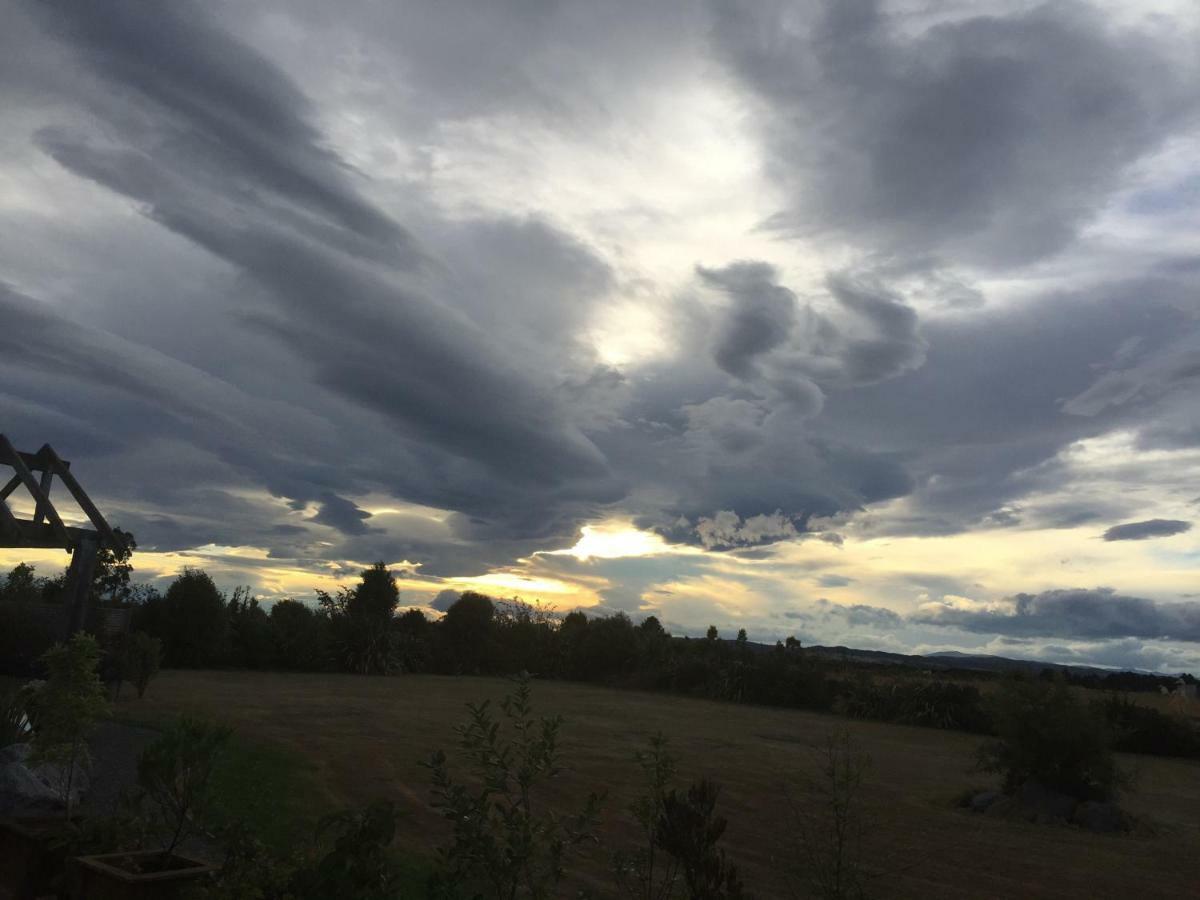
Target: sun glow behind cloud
(615, 540)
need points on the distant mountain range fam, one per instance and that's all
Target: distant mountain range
(952, 659)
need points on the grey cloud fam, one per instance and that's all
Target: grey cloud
(759, 319)
(342, 514)
(444, 600)
(990, 138)
(246, 119)
(1079, 613)
(1151, 528)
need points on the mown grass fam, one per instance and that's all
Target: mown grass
(363, 737)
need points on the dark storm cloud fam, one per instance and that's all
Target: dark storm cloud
(305, 334)
(987, 138)
(342, 514)
(1151, 528)
(240, 115)
(1083, 614)
(981, 422)
(252, 185)
(759, 318)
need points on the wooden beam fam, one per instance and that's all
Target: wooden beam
(36, 462)
(25, 534)
(39, 512)
(41, 500)
(10, 530)
(13, 484)
(79, 581)
(85, 503)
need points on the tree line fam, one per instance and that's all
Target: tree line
(360, 628)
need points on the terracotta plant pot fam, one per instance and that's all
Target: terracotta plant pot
(144, 875)
(32, 854)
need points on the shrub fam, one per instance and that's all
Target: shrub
(1142, 729)
(175, 775)
(1047, 736)
(930, 703)
(360, 863)
(647, 873)
(140, 658)
(690, 831)
(27, 631)
(506, 844)
(68, 707)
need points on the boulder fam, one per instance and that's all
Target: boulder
(15, 753)
(983, 801)
(22, 791)
(53, 776)
(1046, 805)
(1103, 818)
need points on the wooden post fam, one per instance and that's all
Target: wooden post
(79, 581)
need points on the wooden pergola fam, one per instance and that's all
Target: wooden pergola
(46, 529)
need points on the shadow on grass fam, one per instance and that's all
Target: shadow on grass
(273, 793)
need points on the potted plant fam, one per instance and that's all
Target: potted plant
(175, 777)
(65, 711)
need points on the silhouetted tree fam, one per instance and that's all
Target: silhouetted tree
(301, 636)
(193, 622)
(251, 638)
(361, 620)
(468, 627)
(22, 585)
(110, 582)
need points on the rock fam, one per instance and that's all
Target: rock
(15, 753)
(1045, 805)
(21, 790)
(982, 802)
(1103, 818)
(1005, 808)
(53, 776)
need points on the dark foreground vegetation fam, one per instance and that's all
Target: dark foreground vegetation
(518, 820)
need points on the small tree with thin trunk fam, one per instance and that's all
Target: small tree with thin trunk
(68, 707)
(140, 658)
(175, 774)
(647, 872)
(829, 823)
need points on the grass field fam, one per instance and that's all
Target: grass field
(362, 737)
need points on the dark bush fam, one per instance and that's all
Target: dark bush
(301, 636)
(1142, 729)
(140, 657)
(689, 830)
(1049, 737)
(27, 630)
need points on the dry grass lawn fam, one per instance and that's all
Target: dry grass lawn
(364, 737)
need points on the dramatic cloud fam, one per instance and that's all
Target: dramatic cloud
(1151, 528)
(809, 312)
(1096, 614)
(989, 138)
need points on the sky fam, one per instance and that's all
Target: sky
(873, 323)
